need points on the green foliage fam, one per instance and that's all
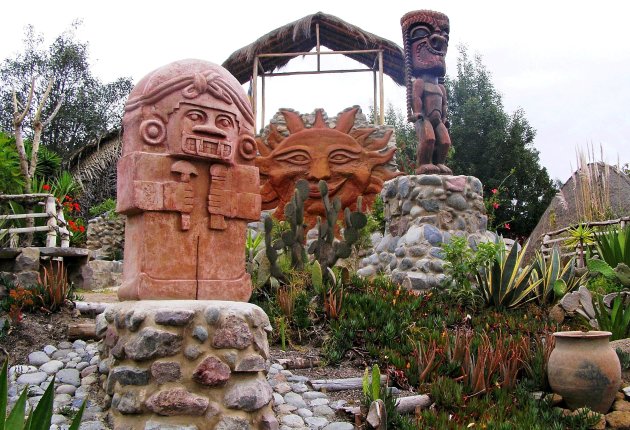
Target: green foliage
(38, 419)
(90, 107)
(616, 320)
(580, 235)
(613, 246)
(446, 393)
(506, 282)
(326, 249)
(489, 143)
(406, 139)
(505, 410)
(624, 359)
(378, 317)
(108, 207)
(461, 261)
(293, 239)
(601, 284)
(619, 275)
(556, 279)
(11, 180)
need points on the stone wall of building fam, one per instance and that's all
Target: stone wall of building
(106, 237)
(195, 364)
(421, 213)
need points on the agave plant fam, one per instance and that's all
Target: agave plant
(39, 418)
(556, 279)
(616, 320)
(504, 283)
(613, 246)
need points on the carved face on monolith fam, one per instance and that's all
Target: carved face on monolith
(190, 109)
(425, 34)
(349, 160)
(187, 183)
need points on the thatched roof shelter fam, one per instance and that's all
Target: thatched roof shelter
(564, 209)
(300, 36)
(94, 166)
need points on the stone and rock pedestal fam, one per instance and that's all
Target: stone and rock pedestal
(421, 213)
(187, 364)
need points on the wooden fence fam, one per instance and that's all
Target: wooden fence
(559, 237)
(56, 225)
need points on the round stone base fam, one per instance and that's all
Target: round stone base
(187, 364)
(421, 213)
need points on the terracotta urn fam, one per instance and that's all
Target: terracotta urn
(584, 369)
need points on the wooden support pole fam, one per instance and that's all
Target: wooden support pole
(63, 229)
(374, 105)
(262, 102)
(318, 47)
(255, 89)
(382, 90)
(51, 209)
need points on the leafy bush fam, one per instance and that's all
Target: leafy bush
(107, 206)
(462, 262)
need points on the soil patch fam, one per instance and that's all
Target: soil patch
(34, 332)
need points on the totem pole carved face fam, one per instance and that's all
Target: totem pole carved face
(348, 161)
(426, 40)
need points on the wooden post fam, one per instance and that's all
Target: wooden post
(375, 108)
(317, 47)
(255, 89)
(380, 84)
(262, 100)
(63, 229)
(51, 210)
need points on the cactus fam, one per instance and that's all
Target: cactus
(326, 249)
(292, 240)
(271, 249)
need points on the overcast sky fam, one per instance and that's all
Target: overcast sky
(567, 64)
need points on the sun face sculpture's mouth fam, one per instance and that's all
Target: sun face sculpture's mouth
(333, 187)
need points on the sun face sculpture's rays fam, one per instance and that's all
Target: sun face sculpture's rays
(350, 160)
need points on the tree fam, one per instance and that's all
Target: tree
(86, 107)
(494, 145)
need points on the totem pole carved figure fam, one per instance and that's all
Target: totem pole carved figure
(425, 35)
(187, 183)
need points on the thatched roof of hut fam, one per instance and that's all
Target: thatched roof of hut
(563, 211)
(300, 36)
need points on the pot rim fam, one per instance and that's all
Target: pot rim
(592, 334)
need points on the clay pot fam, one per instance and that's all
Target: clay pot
(584, 369)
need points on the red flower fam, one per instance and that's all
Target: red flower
(495, 205)
(46, 187)
(507, 226)
(82, 229)
(68, 197)
(494, 191)
(77, 207)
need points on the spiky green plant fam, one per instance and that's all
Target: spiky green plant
(38, 419)
(504, 283)
(616, 320)
(556, 279)
(613, 246)
(326, 248)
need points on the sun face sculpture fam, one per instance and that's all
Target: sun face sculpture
(349, 160)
